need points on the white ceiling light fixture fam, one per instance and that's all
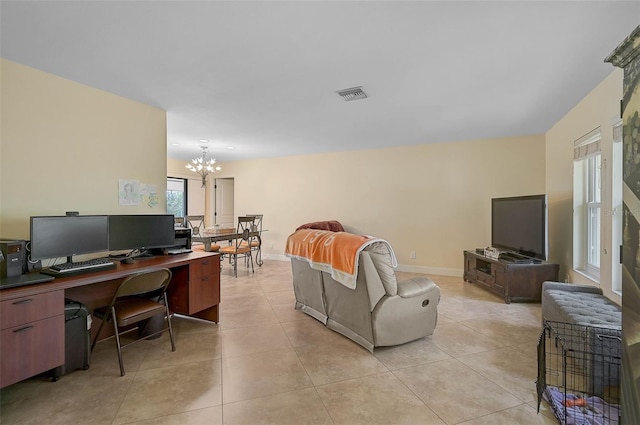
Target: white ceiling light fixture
(203, 166)
(354, 93)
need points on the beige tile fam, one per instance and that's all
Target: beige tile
(243, 302)
(505, 330)
(423, 350)
(253, 339)
(520, 415)
(281, 298)
(238, 318)
(276, 285)
(528, 349)
(184, 325)
(160, 392)
(232, 287)
(206, 416)
(287, 313)
(291, 408)
(80, 397)
(187, 386)
(464, 308)
(331, 363)
(377, 399)
(509, 368)
(104, 358)
(305, 333)
(261, 374)
(190, 348)
(459, 340)
(454, 391)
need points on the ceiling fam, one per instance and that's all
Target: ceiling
(261, 76)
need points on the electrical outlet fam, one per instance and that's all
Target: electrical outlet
(412, 254)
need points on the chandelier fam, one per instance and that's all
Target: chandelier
(203, 166)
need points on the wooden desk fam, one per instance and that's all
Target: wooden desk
(32, 317)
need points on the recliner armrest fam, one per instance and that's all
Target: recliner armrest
(415, 286)
(570, 287)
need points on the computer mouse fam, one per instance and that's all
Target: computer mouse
(126, 260)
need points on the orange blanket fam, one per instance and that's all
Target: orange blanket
(334, 252)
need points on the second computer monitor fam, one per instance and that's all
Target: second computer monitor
(141, 231)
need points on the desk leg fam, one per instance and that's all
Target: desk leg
(210, 314)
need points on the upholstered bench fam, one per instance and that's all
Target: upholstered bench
(579, 304)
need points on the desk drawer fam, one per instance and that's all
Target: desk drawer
(204, 284)
(27, 309)
(30, 349)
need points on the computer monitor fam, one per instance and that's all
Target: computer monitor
(65, 236)
(141, 232)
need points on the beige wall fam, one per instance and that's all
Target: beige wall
(598, 108)
(433, 199)
(64, 146)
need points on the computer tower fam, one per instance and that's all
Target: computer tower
(77, 338)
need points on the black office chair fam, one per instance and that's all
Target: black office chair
(241, 247)
(139, 297)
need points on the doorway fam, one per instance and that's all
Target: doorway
(223, 202)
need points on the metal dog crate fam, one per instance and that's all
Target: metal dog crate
(579, 372)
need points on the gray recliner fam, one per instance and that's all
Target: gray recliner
(380, 311)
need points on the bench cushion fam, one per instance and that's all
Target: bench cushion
(582, 308)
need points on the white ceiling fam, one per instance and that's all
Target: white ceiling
(261, 76)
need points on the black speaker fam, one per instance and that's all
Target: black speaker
(15, 258)
(31, 266)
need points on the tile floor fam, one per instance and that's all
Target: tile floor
(266, 363)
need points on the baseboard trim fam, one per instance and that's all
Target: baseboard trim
(440, 271)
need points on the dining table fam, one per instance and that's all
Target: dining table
(230, 234)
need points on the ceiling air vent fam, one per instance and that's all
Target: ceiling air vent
(353, 93)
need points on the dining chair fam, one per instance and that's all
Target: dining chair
(256, 242)
(196, 223)
(138, 298)
(241, 246)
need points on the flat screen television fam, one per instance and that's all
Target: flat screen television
(519, 224)
(141, 232)
(65, 236)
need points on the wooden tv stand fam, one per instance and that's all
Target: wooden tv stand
(513, 281)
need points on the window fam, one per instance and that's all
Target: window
(587, 203)
(594, 215)
(176, 196)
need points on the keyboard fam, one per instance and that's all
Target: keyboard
(175, 251)
(23, 280)
(69, 269)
